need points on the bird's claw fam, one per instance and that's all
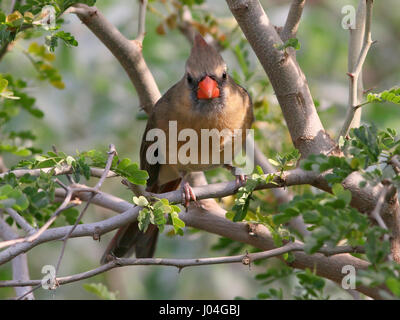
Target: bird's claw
(188, 195)
(240, 180)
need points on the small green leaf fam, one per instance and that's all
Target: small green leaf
(100, 290)
(394, 285)
(141, 201)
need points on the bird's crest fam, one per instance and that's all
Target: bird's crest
(204, 59)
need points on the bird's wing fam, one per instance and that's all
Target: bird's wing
(162, 110)
(152, 169)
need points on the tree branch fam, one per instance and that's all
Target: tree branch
(3, 167)
(56, 171)
(395, 162)
(287, 79)
(128, 53)
(111, 154)
(20, 220)
(245, 259)
(281, 195)
(210, 218)
(355, 73)
(293, 20)
(356, 39)
(142, 20)
(20, 269)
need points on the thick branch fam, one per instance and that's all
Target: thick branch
(287, 79)
(210, 218)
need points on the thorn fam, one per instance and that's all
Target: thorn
(96, 234)
(351, 75)
(117, 261)
(92, 13)
(246, 259)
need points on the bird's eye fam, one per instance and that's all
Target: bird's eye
(224, 75)
(189, 79)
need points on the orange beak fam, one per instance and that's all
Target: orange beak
(208, 89)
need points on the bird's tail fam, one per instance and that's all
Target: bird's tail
(129, 238)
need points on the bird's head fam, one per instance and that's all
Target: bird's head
(205, 74)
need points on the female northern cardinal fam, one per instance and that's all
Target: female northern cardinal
(205, 98)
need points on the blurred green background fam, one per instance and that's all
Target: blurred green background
(99, 106)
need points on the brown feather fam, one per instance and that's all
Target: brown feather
(233, 110)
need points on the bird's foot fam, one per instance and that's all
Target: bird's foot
(188, 195)
(240, 178)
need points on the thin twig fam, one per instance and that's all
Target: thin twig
(29, 292)
(183, 263)
(49, 222)
(395, 164)
(70, 179)
(185, 25)
(211, 218)
(142, 20)
(111, 153)
(20, 220)
(355, 73)
(376, 213)
(137, 189)
(8, 243)
(56, 171)
(356, 39)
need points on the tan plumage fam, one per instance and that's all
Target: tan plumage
(229, 108)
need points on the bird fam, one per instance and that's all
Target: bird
(206, 97)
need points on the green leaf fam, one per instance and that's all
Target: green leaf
(285, 216)
(100, 290)
(71, 215)
(177, 223)
(6, 190)
(292, 42)
(140, 201)
(144, 219)
(341, 193)
(274, 162)
(394, 285)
